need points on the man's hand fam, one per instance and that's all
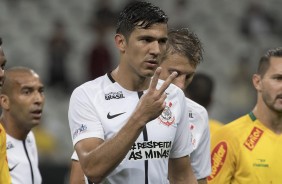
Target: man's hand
(152, 103)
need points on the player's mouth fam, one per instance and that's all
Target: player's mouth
(36, 114)
(152, 63)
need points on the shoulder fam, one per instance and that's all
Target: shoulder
(92, 87)
(235, 130)
(195, 107)
(239, 123)
(214, 125)
(197, 112)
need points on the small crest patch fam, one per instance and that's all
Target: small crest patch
(167, 117)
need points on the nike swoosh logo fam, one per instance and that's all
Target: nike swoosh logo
(113, 116)
(11, 169)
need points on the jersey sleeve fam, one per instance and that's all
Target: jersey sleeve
(182, 144)
(83, 119)
(200, 157)
(223, 146)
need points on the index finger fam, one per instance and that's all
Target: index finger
(168, 81)
(155, 78)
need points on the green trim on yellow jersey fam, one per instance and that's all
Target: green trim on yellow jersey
(252, 116)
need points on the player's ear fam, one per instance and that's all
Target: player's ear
(120, 41)
(4, 102)
(257, 82)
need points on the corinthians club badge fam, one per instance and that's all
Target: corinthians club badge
(166, 117)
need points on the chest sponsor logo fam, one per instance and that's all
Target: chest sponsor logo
(114, 95)
(78, 131)
(167, 118)
(149, 150)
(253, 138)
(111, 116)
(218, 157)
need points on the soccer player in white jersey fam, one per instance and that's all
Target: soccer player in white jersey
(128, 126)
(184, 53)
(22, 101)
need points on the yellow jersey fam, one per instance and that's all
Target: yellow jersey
(246, 152)
(4, 170)
(214, 126)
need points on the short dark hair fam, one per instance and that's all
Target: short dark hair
(141, 14)
(0, 41)
(6, 88)
(201, 89)
(185, 42)
(264, 60)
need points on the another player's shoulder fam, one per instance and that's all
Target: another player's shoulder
(196, 107)
(215, 125)
(197, 112)
(236, 127)
(234, 135)
(240, 122)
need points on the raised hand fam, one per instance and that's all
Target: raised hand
(152, 103)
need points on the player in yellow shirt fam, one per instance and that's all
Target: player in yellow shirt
(248, 150)
(4, 171)
(214, 125)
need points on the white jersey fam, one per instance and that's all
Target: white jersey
(99, 109)
(199, 126)
(23, 160)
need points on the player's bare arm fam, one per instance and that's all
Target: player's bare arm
(178, 169)
(76, 175)
(98, 158)
(202, 181)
